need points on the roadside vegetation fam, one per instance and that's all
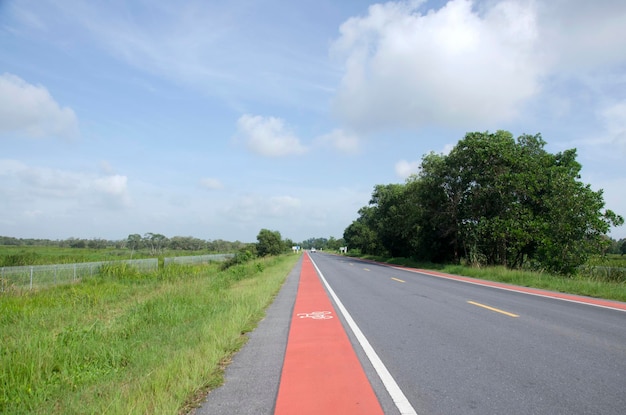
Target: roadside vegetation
(493, 200)
(19, 252)
(497, 208)
(592, 285)
(126, 342)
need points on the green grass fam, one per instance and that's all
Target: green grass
(130, 343)
(46, 255)
(586, 284)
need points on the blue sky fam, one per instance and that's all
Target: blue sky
(216, 119)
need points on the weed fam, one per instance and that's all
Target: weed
(130, 342)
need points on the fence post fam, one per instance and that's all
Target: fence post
(2, 279)
(55, 274)
(74, 272)
(31, 278)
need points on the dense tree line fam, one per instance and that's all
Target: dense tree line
(269, 242)
(492, 200)
(325, 244)
(153, 242)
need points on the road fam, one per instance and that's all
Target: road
(445, 346)
(458, 348)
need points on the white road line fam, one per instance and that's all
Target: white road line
(398, 397)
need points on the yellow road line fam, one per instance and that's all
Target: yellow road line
(497, 310)
(396, 279)
(365, 269)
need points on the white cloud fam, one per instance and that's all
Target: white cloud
(211, 183)
(476, 63)
(341, 140)
(406, 168)
(23, 186)
(268, 136)
(451, 66)
(31, 110)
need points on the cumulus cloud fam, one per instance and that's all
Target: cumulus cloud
(452, 66)
(211, 183)
(268, 136)
(31, 110)
(341, 140)
(473, 62)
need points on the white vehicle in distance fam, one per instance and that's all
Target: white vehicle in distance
(312, 249)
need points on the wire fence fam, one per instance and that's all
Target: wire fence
(39, 276)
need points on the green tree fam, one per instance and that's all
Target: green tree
(133, 242)
(269, 243)
(493, 200)
(362, 236)
(155, 241)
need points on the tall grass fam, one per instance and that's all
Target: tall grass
(130, 343)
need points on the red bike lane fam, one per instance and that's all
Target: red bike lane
(321, 372)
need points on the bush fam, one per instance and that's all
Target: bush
(240, 257)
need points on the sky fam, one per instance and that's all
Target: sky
(216, 119)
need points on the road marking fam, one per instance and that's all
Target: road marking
(398, 397)
(397, 279)
(316, 315)
(497, 310)
(366, 269)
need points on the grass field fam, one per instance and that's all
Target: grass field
(130, 343)
(44, 255)
(586, 283)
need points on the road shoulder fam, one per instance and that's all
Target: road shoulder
(252, 379)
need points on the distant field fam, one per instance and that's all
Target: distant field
(43, 255)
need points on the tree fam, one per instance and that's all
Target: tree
(155, 241)
(362, 236)
(269, 243)
(492, 200)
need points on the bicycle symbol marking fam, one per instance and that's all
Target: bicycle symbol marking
(316, 315)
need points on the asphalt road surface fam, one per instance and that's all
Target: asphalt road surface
(455, 348)
(451, 355)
